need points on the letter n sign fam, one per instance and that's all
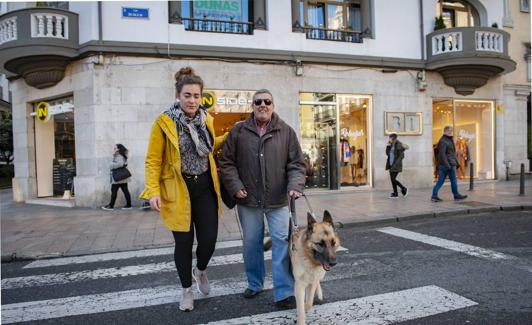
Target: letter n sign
(42, 112)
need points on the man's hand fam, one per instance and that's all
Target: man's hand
(295, 194)
(155, 203)
(241, 194)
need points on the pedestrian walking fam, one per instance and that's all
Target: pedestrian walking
(447, 163)
(182, 181)
(395, 151)
(119, 162)
(261, 166)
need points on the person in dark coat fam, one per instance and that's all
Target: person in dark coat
(261, 166)
(119, 160)
(395, 152)
(447, 163)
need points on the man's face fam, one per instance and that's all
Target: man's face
(263, 107)
(449, 132)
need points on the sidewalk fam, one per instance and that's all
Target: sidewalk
(36, 231)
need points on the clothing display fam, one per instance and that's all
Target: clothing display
(463, 158)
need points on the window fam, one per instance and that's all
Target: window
(52, 4)
(335, 15)
(524, 5)
(221, 16)
(457, 13)
(527, 58)
(332, 20)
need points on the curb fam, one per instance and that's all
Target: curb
(429, 215)
(8, 258)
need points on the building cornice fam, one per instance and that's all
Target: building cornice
(244, 54)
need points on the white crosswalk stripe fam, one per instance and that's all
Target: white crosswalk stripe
(114, 272)
(385, 308)
(118, 256)
(99, 303)
(460, 247)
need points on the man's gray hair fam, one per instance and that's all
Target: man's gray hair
(262, 91)
(447, 128)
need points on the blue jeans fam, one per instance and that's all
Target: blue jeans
(442, 173)
(252, 221)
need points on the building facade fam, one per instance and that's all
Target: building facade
(344, 74)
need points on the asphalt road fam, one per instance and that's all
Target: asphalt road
(472, 269)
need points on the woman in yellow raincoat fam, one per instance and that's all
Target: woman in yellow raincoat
(182, 181)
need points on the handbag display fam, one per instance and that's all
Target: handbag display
(120, 173)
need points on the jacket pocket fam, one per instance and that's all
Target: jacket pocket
(168, 189)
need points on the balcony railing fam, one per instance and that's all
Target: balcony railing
(468, 39)
(217, 26)
(333, 35)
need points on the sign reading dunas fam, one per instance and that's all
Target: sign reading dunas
(218, 10)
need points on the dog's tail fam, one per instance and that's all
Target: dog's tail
(268, 245)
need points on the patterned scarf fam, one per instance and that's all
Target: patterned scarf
(195, 126)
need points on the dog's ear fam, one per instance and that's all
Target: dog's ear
(310, 223)
(328, 218)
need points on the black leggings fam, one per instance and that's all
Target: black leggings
(204, 219)
(395, 182)
(114, 192)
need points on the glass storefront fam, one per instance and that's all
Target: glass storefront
(335, 139)
(473, 123)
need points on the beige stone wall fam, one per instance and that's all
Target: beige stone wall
(520, 33)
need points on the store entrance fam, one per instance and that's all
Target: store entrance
(334, 140)
(473, 125)
(55, 154)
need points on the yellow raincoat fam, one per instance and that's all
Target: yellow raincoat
(163, 173)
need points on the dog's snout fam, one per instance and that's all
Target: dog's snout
(333, 262)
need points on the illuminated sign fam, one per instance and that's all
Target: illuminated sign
(42, 112)
(227, 101)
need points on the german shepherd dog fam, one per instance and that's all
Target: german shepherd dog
(312, 254)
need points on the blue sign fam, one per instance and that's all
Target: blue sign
(135, 12)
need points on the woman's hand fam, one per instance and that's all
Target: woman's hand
(155, 203)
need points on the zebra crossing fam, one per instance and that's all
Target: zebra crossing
(69, 287)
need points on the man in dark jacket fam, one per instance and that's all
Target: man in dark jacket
(395, 151)
(446, 165)
(261, 165)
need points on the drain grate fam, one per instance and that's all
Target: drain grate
(474, 204)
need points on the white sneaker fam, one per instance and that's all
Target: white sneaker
(187, 300)
(201, 281)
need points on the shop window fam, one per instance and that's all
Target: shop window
(334, 139)
(472, 122)
(219, 16)
(458, 14)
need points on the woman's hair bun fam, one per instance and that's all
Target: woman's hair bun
(186, 71)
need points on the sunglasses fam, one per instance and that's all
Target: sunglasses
(259, 101)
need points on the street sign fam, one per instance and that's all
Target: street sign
(42, 112)
(128, 12)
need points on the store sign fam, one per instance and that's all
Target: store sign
(42, 112)
(466, 135)
(346, 133)
(135, 12)
(218, 10)
(227, 101)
